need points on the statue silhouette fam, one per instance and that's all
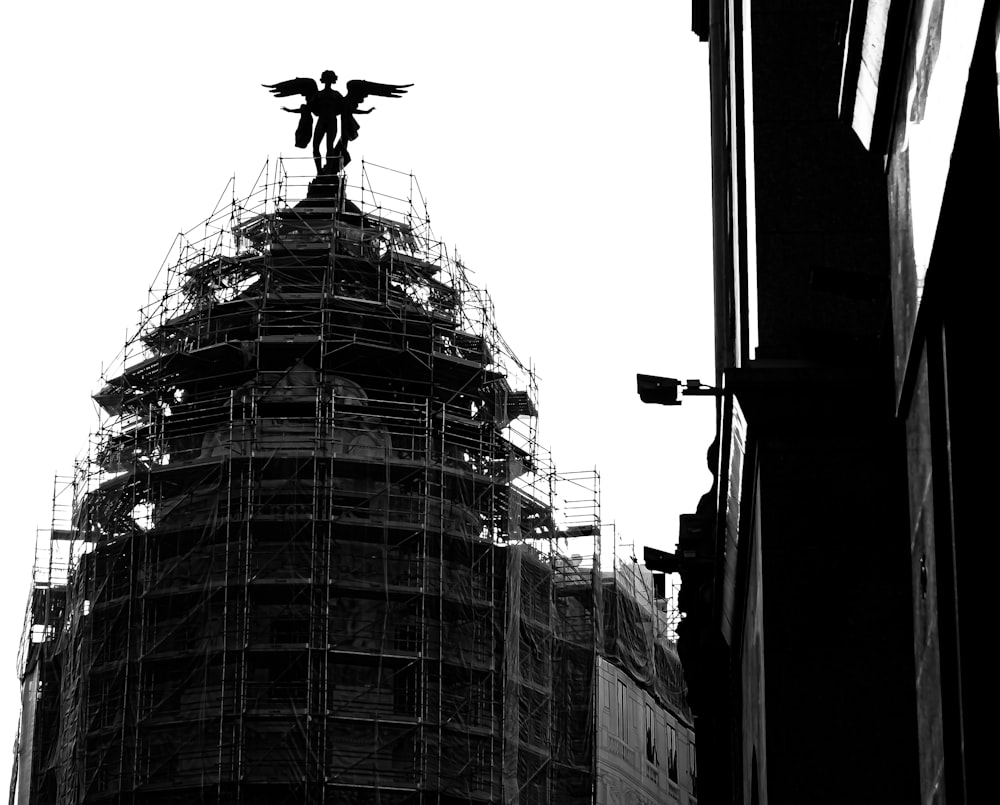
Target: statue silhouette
(327, 105)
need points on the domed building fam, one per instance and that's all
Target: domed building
(313, 555)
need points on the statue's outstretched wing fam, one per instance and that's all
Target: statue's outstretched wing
(306, 87)
(296, 86)
(358, 90)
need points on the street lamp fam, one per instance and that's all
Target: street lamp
(664, 390)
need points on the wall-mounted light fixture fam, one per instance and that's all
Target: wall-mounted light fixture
(669, 390)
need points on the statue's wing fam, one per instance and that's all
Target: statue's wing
(358, 90)
(296, 86)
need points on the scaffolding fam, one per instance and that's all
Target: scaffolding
(314, 553)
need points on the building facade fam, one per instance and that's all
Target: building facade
(828, 589)
(645, 751)
(921, 93)
(315, 553)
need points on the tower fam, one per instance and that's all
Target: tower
(316, 555)
(285, 559)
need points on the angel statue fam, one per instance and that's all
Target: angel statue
(327, 105)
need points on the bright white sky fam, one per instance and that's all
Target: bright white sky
(562, 146)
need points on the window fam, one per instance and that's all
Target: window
(693, 769)
(672, 754)
(622, 711)
(651, 754)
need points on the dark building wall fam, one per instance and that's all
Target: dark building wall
(811, 590)
(943, 328)
(837, 661)
(968, 241)
(928, 107)
(820, 197)
(858, 521)
(752, 693)
(834, 566)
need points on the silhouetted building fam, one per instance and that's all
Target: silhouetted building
(827, 573)
(315, 553)
(921, 93)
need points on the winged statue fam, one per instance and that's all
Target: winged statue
(327, 105)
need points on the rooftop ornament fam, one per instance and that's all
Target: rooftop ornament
(326, 105)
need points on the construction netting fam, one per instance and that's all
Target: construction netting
(315, 553)
(637, 635)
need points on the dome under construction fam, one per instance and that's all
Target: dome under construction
(287, 569)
